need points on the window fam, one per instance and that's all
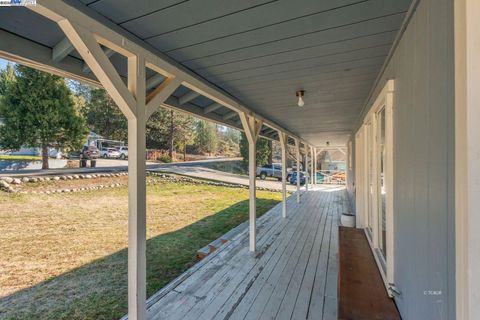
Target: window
(376, 185)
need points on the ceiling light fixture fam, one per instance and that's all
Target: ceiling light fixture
(300, 94)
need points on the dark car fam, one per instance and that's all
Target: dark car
(89, 153)
(293, 178)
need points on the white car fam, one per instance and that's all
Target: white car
(109, 153)
(123, 152)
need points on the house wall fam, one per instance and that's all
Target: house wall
(422, 66)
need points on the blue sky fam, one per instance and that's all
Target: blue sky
(3, 63)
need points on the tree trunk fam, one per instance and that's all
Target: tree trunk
(44, 156)
(170, 135)
(270, 149)
(184, 151)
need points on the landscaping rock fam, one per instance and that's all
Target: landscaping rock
(33, 180)
(17, 181)
(63, 178)
(7, 179)
(69, 177)
(25, 179)
(88, 176)
(56, 178)
(76, 176)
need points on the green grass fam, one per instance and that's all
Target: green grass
(15, 157)
(64, 256)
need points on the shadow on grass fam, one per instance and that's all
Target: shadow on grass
(98, 290)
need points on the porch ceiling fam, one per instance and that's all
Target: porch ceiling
(259, 51)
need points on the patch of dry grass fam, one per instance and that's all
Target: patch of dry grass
(63, 256)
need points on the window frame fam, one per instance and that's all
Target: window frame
(384, 101)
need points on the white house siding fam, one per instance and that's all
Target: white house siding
(423, 68)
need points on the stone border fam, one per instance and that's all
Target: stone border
(7, 183)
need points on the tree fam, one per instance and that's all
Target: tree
(37, 110)
(206, 137)
(104, 117)
(7, 76)
(263, 150)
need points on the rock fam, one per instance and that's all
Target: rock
(7, 179)
(25, 179)
(76, 176)
(63, 178)
(17, 181)
(69, 177)
(88, 176)
(81, 176)
(47, 178)
(4, 185)
(56, 178)
(33, 180)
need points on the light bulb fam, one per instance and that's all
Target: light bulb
(301, 103)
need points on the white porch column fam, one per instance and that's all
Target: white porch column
(135, 106)
(312, 180)
(315, 165)
(297, 148)
(252, 127)
(307, 169)
(283, 137)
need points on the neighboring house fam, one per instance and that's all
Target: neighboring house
(332, 160)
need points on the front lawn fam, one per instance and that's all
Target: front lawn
(63, 256)
(20, 158)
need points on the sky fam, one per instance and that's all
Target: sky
(3, 63)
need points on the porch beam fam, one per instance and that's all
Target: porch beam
(229, 115)
(116, 38)
(91, 52)
(62, 49)
(212, 107)
(252, 127)
(154, 81)
(160, 94)
(108, 52)
(283, 137)
(187, 97)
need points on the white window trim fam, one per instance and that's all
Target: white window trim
(384, 100)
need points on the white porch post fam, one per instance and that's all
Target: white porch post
(283, 137)
(137, 269)
(252, 127)
(312, 180)
(133, 103)
(315, 165)
(307, 169)
(297, 149)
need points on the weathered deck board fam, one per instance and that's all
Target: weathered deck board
(294, 275)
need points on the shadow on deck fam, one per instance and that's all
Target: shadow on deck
(293, 275)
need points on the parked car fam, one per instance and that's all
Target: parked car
(270, 170)
(89, 153)
(123, 152)
(109, 153)
(293, 178)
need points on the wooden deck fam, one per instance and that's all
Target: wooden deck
(293, 276)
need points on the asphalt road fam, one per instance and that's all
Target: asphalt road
(195, 169)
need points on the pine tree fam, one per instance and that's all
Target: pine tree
(37, 110)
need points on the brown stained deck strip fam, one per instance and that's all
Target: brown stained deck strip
(362, 294)
(290, 279)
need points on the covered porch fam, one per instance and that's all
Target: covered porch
(293, 274)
